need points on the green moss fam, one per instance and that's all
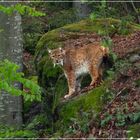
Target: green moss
(97, 25)
(91, 102)
(133, 131)
(54, 44)
(137, 82)
(86, 26)
(48, 38)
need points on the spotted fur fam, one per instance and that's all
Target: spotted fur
(78, 61)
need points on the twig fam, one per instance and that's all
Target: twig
(135, 9)
(118, 94)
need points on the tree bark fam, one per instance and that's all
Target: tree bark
(11, 48)
(136, 11)
(82, 8)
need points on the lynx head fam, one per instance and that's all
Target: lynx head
(57, 55)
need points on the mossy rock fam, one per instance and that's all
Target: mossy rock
(54, 81)
(133, 131)
(56, 38)
(53, 38)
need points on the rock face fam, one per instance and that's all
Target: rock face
(68, 115)
(134, 58)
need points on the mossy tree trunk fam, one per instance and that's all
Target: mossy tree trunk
(11, 49)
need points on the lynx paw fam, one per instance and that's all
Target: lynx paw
(67, 96)
(93, 84)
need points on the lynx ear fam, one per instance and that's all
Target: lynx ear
(49, 51)
(60, 49)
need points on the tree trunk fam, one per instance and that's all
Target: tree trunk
(82, 8)
(136, 11)
(11, 48)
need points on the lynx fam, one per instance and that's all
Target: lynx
(77, 61)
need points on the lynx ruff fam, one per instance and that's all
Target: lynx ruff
(79, 61)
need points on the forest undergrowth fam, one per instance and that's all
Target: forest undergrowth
(123, 109)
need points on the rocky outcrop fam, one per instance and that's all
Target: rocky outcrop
(67, 116)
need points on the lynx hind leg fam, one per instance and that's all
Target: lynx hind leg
(71, 85)
(95, 74)
(78, 83)
(99, 80)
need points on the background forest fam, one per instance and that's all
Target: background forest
(32, 90)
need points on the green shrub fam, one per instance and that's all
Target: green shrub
(10, 132)
(10, 74)
(39, 122)
(21, 9)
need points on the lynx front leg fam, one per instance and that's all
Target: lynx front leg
(71, 84)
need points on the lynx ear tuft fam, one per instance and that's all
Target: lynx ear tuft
(60, 49)
(49, 51)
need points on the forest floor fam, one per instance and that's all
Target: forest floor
(123, 110)
(118, 113)
(126, 102)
